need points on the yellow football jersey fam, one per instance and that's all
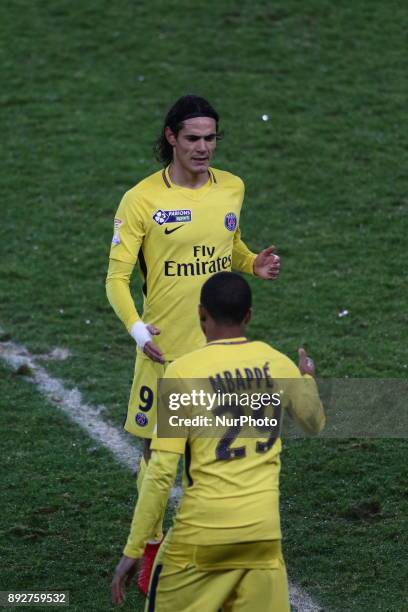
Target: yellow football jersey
(180, 237)
(232, 492)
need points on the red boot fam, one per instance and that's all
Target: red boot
(146, 566)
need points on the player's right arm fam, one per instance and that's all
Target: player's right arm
(127, 239)
(118, 292)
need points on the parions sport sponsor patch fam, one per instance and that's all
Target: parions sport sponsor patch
(183, 215)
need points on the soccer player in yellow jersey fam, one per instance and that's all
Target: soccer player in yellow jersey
(224, 550)
(181, 225)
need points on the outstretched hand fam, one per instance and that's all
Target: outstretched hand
(124, 573)
(150, 349)
(267, 264)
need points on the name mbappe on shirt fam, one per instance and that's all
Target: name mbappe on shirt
(242, 379)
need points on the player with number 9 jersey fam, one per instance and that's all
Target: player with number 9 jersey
(180, 237)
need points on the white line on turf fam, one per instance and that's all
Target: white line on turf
(70, 401)
(89, 418)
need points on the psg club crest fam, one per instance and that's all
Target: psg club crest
(141, 419)
(230, 221)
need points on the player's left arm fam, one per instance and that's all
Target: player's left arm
(242, 258)
(159, 478)
(305, 405)
(266, 264)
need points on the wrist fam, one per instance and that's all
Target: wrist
(133, 552)
(254, 266)
(140, 333)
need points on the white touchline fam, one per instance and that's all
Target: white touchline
(89, 418)
(71, 402)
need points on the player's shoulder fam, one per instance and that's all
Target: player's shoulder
(142, 196)
(185, 365)
(276, 358)
(226, 179)
(153, 181)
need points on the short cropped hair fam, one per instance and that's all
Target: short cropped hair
(186, 107)
(227, 297)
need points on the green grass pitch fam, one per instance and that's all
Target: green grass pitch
(84, 88)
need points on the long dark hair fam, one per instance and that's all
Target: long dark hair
(186, 107)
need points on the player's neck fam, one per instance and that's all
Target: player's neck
(225, 332)
(183, 178)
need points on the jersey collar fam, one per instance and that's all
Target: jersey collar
(241, 340)
(167, 180)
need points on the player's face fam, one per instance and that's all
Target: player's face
(194, 145)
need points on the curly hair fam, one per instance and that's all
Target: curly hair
(186, 107)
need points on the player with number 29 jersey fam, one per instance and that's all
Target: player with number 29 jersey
(224, 549)
(230, 512)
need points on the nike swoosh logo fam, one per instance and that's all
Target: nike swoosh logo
(170, 231)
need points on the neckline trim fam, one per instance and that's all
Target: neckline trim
(230, 341)
(167, 180)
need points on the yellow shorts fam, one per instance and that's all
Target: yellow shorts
(142, 408)
(180, 587)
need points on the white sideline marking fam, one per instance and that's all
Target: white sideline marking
(57, 354)
(300, 601)
(89, 418)
(70, 401)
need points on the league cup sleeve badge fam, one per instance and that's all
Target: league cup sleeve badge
(116, 231)
(231, 221)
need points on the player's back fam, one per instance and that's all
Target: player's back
(232, 492)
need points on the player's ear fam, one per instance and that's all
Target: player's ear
(202, 313)
(170, 136)
(247, 317)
